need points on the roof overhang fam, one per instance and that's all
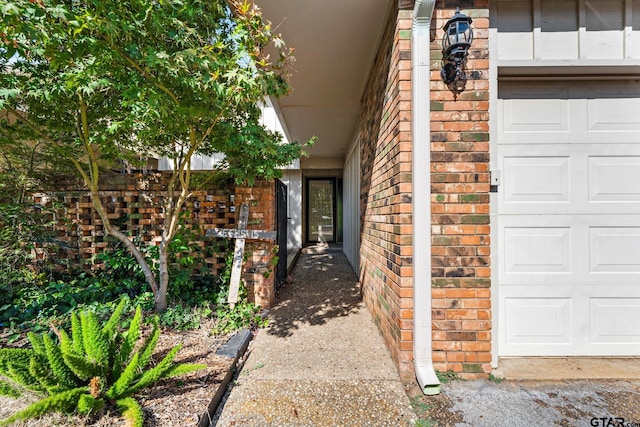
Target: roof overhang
(335, 43)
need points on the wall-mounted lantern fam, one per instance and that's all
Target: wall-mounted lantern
(456, 41)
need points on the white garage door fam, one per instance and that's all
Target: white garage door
(569, 218)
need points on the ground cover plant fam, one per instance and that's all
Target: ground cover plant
(91, 366)
(39, 293)
(22, 226)
(35, 305)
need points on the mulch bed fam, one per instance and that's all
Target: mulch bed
(178, 402)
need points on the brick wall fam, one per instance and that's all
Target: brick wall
(461, 294)
(460, 198)
(386, 238)
(133, 204)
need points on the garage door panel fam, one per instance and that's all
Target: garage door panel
(617, 114)
(538, 113)
(542, 250)
(550, 250)
(582, 112)
(522, 116)
(578, 179)
(614, 250)
(563, 323)
(538, 320)
(615, 320)
(536, 179)
(541, 183)
(614, 178)
(613, 109)
(537, 250)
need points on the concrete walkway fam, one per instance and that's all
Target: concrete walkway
(322, 361)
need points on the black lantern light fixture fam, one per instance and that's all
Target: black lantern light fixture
(456, 41)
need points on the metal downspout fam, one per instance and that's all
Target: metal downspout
(422, 338)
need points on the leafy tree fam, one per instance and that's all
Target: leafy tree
(104, 81)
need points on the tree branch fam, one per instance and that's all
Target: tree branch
(148, 76)
(50, 140)
(84, 135)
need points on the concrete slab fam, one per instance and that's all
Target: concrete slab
(321, 361)
(580, 403)
(565, 368)
(316, 403)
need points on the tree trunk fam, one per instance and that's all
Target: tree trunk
(124, 239)
(163, 265)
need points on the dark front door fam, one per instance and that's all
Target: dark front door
(282, 222)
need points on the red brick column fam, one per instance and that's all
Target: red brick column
(259, 276)
(461, 263)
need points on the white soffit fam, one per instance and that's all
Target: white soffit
(335, 45)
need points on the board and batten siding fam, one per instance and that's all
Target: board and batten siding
(567, 31)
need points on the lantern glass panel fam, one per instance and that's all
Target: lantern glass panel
(459, 33)
(463, 32)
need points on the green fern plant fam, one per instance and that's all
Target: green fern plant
(93, 366)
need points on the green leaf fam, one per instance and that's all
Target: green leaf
(9, 390)
(39, 369)
(61, 402)
(63, 374)
(66, 346)
(149, 346)
(122, 386)
(158, 372)
(76, 334)
(96, 344)
(113, 322)
(132, 334)
(36, 343)
(131, 411)
(14, 355)
(184, 368)
(80, 366)
(19, 372)
(10, 9)
(88, 404)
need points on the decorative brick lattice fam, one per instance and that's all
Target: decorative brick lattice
(133, 203)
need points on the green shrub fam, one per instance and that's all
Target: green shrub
(192, 297)
(22, 227)
(35, 307)
(184, 317)
(93, 366)
(244, 314)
